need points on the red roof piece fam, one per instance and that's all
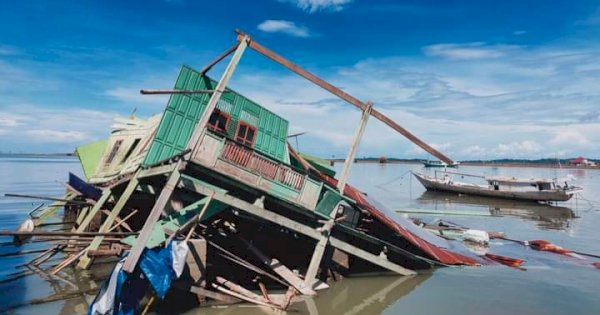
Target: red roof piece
(440, 254)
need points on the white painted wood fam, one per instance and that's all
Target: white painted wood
(353, 148)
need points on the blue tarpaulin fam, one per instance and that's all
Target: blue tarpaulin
(157, 267)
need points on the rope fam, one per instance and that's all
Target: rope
(394, 179)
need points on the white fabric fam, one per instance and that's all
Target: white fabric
(476, 236)
(179, 251)
(105, 302)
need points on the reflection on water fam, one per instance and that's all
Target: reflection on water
(545, 216)
(364, 295)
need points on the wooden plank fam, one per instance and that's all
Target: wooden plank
(282, 270)
(157, 209)
(86, 260)
(92, 213)
(374, 259)
(214, 295)
(158, 170)
(343, 178)
(292, 225)
(343, 95)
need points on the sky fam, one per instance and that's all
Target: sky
(475, 79)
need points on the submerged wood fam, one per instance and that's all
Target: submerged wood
(75, 234)
(66, 201)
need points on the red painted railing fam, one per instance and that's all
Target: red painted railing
(262, 166)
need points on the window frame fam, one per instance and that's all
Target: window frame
(113, 152)
(244, 140)
(227, 121)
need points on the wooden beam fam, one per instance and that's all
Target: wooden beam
(353, 148)
(197, 186)
(218, 59)
(343, 95)
(86, 260)
(157, 209)
(216, 96)
(282, 270)
(380, 261)
(92, 213)
(315, 261)
(159, 92)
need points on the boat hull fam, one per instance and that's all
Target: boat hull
(436, 185)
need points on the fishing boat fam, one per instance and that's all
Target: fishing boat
(437, 163)
(532, 189)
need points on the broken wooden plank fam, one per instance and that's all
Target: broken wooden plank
(196, 185)
(92, 213)
(85, 260)
(281, 270)
(155, 213)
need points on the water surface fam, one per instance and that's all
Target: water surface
(551, 284)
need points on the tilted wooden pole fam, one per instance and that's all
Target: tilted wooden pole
(353, 148)
(165, 194)
(345, 96)
(219, 58)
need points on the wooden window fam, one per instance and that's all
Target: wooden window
(218, 121)
(113, 152)
(131, 148)
(245, 134)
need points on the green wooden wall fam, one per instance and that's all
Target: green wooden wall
(184, 110)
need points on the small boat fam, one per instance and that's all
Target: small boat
(436, 163)
(534, 189)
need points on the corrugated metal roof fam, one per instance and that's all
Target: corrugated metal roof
(183, 112)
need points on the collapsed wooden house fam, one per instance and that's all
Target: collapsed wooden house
(215, 170)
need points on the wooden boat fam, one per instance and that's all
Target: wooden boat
(535, 189)
(436, 163)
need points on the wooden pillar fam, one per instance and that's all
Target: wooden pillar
(92, 213)
(86, 260)
(216, 96)
(315, 261)
(157, 209)
(353, 148)
(165, 194)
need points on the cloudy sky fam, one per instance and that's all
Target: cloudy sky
(476, 79)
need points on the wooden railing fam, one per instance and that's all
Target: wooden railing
(262, 166)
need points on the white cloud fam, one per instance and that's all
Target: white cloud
(519, 32)
(570, 136)
(11, 120)
(285, 27)
(46, 128)
(49, 135)
(467, 51)
(312, 6)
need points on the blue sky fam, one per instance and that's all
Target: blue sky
(477, 79)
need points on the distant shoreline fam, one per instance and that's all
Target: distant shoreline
(482, 164)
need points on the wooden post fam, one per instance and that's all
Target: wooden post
(86, 260)
(353, 148)
(343, 95)
(140, 242)
(315, 261)
(165, 195)
(92, 213)
(197, 186)
(216, 96)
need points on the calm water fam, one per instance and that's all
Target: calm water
(551, 284)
